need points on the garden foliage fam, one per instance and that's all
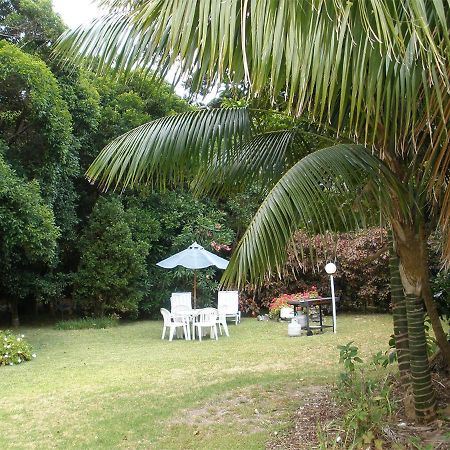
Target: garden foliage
(14, 349)
(28, 236)
(112, 263)
(35, 122)
(30, 24)
(361, 281)
(366, 400)
(53, 122)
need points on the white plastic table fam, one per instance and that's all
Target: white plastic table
(190, 315)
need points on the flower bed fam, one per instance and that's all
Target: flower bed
(282, 301)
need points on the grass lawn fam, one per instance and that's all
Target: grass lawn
(125, 388)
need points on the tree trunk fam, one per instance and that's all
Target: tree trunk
(431, 307)
(400, 329)
(424, 398)
(399, 316)
(99, 307)
(409, 247)
(14, 308)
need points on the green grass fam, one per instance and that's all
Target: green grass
(125, 388)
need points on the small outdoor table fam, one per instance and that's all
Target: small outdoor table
(307, 303)
(191, 315)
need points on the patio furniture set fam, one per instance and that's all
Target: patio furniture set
(190, 322)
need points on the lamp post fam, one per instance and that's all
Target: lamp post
(330, 269)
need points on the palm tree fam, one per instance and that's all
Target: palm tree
(376, 71)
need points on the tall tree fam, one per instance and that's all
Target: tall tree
(112, 264)
(30, 24)
(376, 71)
(36, 124)
(27, 237)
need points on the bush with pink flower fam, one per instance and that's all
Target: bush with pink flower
(282, 301)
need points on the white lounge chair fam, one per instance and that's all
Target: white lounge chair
(180, 299)
(228, 304)
(173, 322)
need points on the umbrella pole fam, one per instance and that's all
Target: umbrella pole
(195, 289)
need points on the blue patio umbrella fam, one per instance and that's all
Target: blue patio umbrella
(194, 257)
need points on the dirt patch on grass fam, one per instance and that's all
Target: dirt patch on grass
(317, 406)
(251, 409)
(255, 410)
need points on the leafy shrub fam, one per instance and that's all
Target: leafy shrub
(27, 235)
(88, 322)
(440, 284)
(367, 403)
(362, 278)
(14, 349)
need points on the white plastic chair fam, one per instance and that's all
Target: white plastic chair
(228, 304)
(182, 313)
(222, 322)
(206, 318)
(178, 299)
(173, 322)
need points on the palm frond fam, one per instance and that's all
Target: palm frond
(361, 64)
(262, 160)
(317, 194)
(433, 134)
(377, 69)
(165, 149)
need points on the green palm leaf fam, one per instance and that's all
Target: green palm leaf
(166, 149)
(317, 194)
(362, 63)
(263, 159)
(377, 70)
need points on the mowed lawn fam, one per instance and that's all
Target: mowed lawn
(126, 388)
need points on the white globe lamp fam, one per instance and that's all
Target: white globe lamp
(330, 269)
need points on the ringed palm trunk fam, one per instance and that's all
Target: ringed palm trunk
(424, 399)
(408, 240)
(400, 329)
(399, 316)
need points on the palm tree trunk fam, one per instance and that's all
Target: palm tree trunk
(399, 316)
(424, 399)
(430, 304)
(441, 337)
(408, 240)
